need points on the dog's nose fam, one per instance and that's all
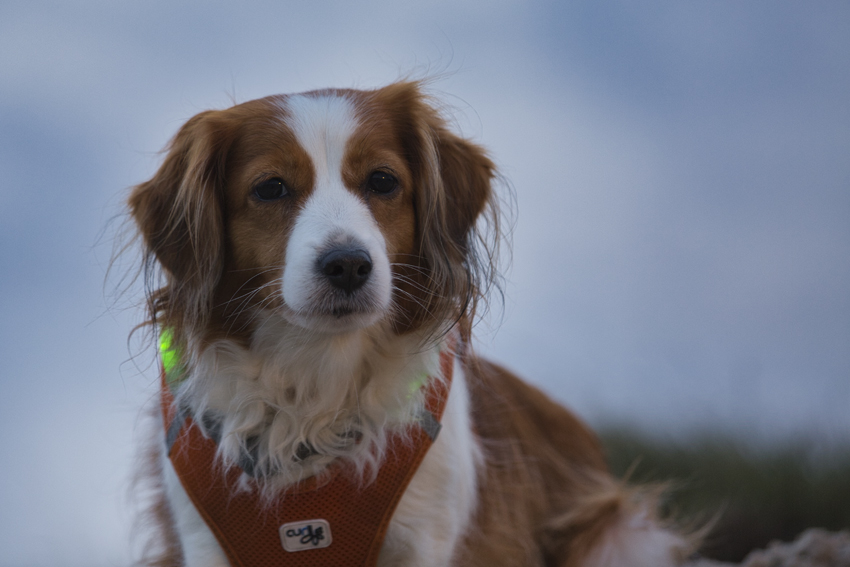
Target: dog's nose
(346, 268)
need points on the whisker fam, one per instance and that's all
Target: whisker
(256, 313)
(419, 287)
(235, 297)
(415, 300)
(417, 269)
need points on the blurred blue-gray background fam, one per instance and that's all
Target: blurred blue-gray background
(682, 240)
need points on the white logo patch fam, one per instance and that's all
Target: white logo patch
(307, 534)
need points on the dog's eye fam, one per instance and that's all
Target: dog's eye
(382, 183)
(270, 189)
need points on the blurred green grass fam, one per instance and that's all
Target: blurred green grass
(756, 493)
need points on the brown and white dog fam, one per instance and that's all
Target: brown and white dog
(313, 252)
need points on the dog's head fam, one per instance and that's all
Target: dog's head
(335, 209)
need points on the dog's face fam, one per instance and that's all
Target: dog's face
(320, 208)
(334, 209)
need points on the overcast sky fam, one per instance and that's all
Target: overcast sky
(682, 240)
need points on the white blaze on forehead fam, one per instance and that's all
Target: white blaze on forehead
(322, 125)
(332, 214)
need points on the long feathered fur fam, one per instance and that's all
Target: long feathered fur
(295, 399)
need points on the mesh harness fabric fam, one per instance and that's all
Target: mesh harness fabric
(358, 516)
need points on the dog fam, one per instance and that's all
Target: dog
(314, 265)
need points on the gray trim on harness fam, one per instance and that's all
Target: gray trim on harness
(174, 428)
(429, 423)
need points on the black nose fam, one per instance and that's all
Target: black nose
(346, 268)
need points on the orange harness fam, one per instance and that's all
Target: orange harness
(336, 523)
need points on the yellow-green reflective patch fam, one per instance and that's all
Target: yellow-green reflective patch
(417, 384)
(171, 357)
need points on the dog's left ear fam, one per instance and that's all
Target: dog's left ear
(466, 173)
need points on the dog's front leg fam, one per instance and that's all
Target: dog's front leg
(434, 513)
(200, 548)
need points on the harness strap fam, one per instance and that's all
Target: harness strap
(337, 520)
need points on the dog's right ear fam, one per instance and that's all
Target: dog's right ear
(179, 213)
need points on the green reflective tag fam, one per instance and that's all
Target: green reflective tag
(417, 384)
(171, 357)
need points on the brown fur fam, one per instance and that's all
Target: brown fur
(546, 496)
(541, 463)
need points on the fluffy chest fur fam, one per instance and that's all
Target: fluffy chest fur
(293, 406)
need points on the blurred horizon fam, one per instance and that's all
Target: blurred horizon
(681, 250)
